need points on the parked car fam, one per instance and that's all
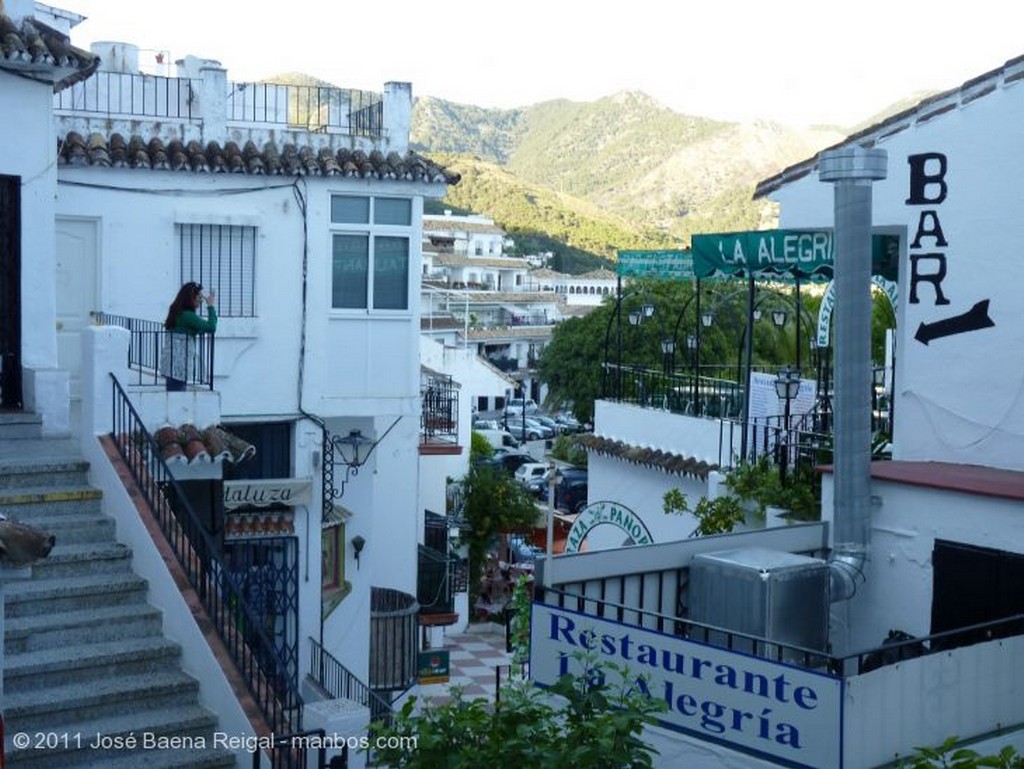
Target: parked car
(569, 423)
(548, 422)
(499, 438)
(517, 407)
(528, 428)
(531, 471)
(508, 461)
(570, 489)
(486, 424)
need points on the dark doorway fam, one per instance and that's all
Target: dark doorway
(10, 292)
(973, 585)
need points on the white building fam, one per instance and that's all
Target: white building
(302, 210)
(944, 541)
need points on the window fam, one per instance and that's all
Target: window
(370, 263)
(332, 564)
(223, 258)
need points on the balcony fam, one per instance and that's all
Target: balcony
(756, 695)
(207, 107)
(439, 415)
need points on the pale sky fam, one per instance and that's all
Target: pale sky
(793, 61)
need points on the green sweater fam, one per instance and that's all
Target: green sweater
(190, 322)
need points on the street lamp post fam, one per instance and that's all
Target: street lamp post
(787, 387)
(747, 355)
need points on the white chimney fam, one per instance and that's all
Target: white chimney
(116, 57)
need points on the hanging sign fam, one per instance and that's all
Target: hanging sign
(789, 253)
(667, 265)
(267, 491)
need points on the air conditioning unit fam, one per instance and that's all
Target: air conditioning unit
(767, 594)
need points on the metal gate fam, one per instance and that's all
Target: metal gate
(266, 570)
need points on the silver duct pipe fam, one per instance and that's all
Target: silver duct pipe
(852, 170)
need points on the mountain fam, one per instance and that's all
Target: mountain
(628, 170)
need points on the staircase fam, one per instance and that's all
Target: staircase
(84, 654)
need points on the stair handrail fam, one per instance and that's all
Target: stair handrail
(341, 683)
(237, 623)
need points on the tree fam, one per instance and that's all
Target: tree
(494, 502)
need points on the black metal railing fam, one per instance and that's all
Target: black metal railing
(341, 683)
(435, 582)
(310, 108)
(840, 666)
(238, 625)
(154, 352)
(439, 415)
(367, 120)
(134, 95)
(394, 625)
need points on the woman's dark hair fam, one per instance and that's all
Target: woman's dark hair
(185, 300)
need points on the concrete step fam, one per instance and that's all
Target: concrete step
(20, 425)
(60, 594)
(35, 670)
(26, 471)
(36, 710)
(45, 631)
(23, 504)
(171, 758)
(77, 529)
(68, 561)
(100, 741)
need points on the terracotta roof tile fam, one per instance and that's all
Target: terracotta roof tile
(644, 455)
(114, 151)
(187, 444)
(32, 46)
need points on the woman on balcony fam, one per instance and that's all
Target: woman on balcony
(184, 323)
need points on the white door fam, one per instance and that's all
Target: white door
(76, 293)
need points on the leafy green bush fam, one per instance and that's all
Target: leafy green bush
(567, 448)
(762, 483)
(948, 756)
(714, 516)
(590, 724)
(479, 447)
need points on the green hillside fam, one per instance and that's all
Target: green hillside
(620, 172)
(581, 235)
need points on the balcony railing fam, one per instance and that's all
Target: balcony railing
(154, 352)
(238, 624)
(852, 664)
(394, 626)
(340, 683)
(439, 417)
(130, 95)
(310, 108)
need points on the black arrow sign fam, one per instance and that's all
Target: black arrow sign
(974, 319)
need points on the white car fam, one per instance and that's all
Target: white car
(531, 471)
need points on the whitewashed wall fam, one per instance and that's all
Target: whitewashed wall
(957, 397)
(30, 153)
(905, 522)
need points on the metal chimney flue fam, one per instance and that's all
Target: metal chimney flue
(852, 171)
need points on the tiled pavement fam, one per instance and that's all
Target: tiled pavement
(472, 659)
